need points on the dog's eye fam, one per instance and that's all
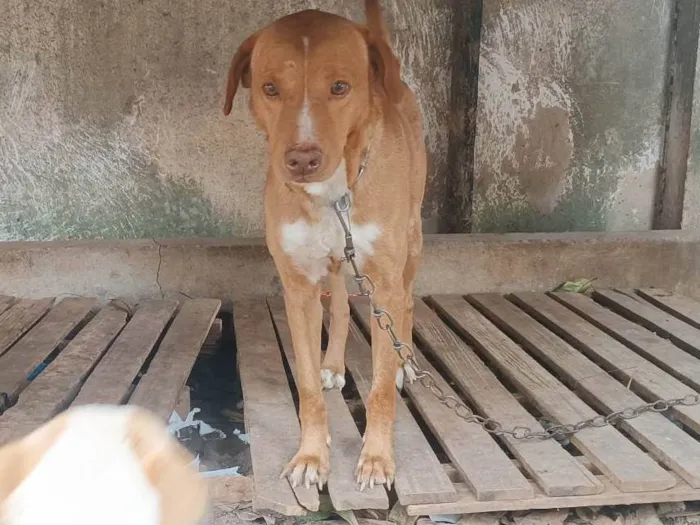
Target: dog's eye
(270, 89)
(340, 88)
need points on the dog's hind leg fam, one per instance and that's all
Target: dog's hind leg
(333, 368)
(415, 251)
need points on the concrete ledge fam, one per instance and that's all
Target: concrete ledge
(226, 268)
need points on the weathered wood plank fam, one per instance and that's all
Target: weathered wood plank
(556, 472)
(160, 386)
(685, 308)
(110, 382)
(56, 386)
(419, 476)
(467, 503)
(28, 353)
(270, 417)
(614, 455)
(659, 436)
(659, 351)
(16, 321)
(682, 334)
(346, 442)
(475, 454)
(639, 375)
(5, 302)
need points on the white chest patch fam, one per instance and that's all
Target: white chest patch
(312, 244)
(90, 475)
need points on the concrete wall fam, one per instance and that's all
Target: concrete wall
(111, 122)
(571, 99)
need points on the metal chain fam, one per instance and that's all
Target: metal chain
(415, 372)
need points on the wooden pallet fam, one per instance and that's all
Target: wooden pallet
(520, 359)
(56, 354)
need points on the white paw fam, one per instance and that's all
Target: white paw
(332, 380)
(399, 379)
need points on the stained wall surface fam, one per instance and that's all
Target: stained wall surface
(111, 123)
(570, 114)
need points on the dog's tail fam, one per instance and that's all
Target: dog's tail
(375, 20)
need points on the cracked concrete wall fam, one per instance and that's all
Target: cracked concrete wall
(571, 99)
(111, 122)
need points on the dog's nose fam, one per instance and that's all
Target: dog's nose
(303, 160)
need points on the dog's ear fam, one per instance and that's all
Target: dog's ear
(239, 72)
(385, 68)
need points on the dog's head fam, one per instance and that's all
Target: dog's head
(314, 79)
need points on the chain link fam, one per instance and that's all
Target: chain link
(414, 372)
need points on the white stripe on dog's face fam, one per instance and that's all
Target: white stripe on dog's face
(90, 475)
(306, 131)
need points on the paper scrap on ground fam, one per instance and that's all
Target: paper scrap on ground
(243, 437)
(176, 424)
(231, 471)
(445, 518)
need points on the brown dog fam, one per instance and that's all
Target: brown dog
(329, 97)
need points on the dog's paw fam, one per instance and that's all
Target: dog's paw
(375, 469)
(331, 380)
(309, 469)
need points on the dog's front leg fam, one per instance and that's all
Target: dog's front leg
(311, 464)
(376, 465)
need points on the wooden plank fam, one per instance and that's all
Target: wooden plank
(5, 302)
(23, 358)
(467, 503)
(685, 308)
(270, 417)
(159, 388)
(16, 321)
(184, 404)
(661, 352)
(614, 455)
(556, 472)
(475, 454)
(659, 436)
(110, 382)
(682, 334)
(639, 375)
(419, 476)
(346, 441)
(56, 386)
